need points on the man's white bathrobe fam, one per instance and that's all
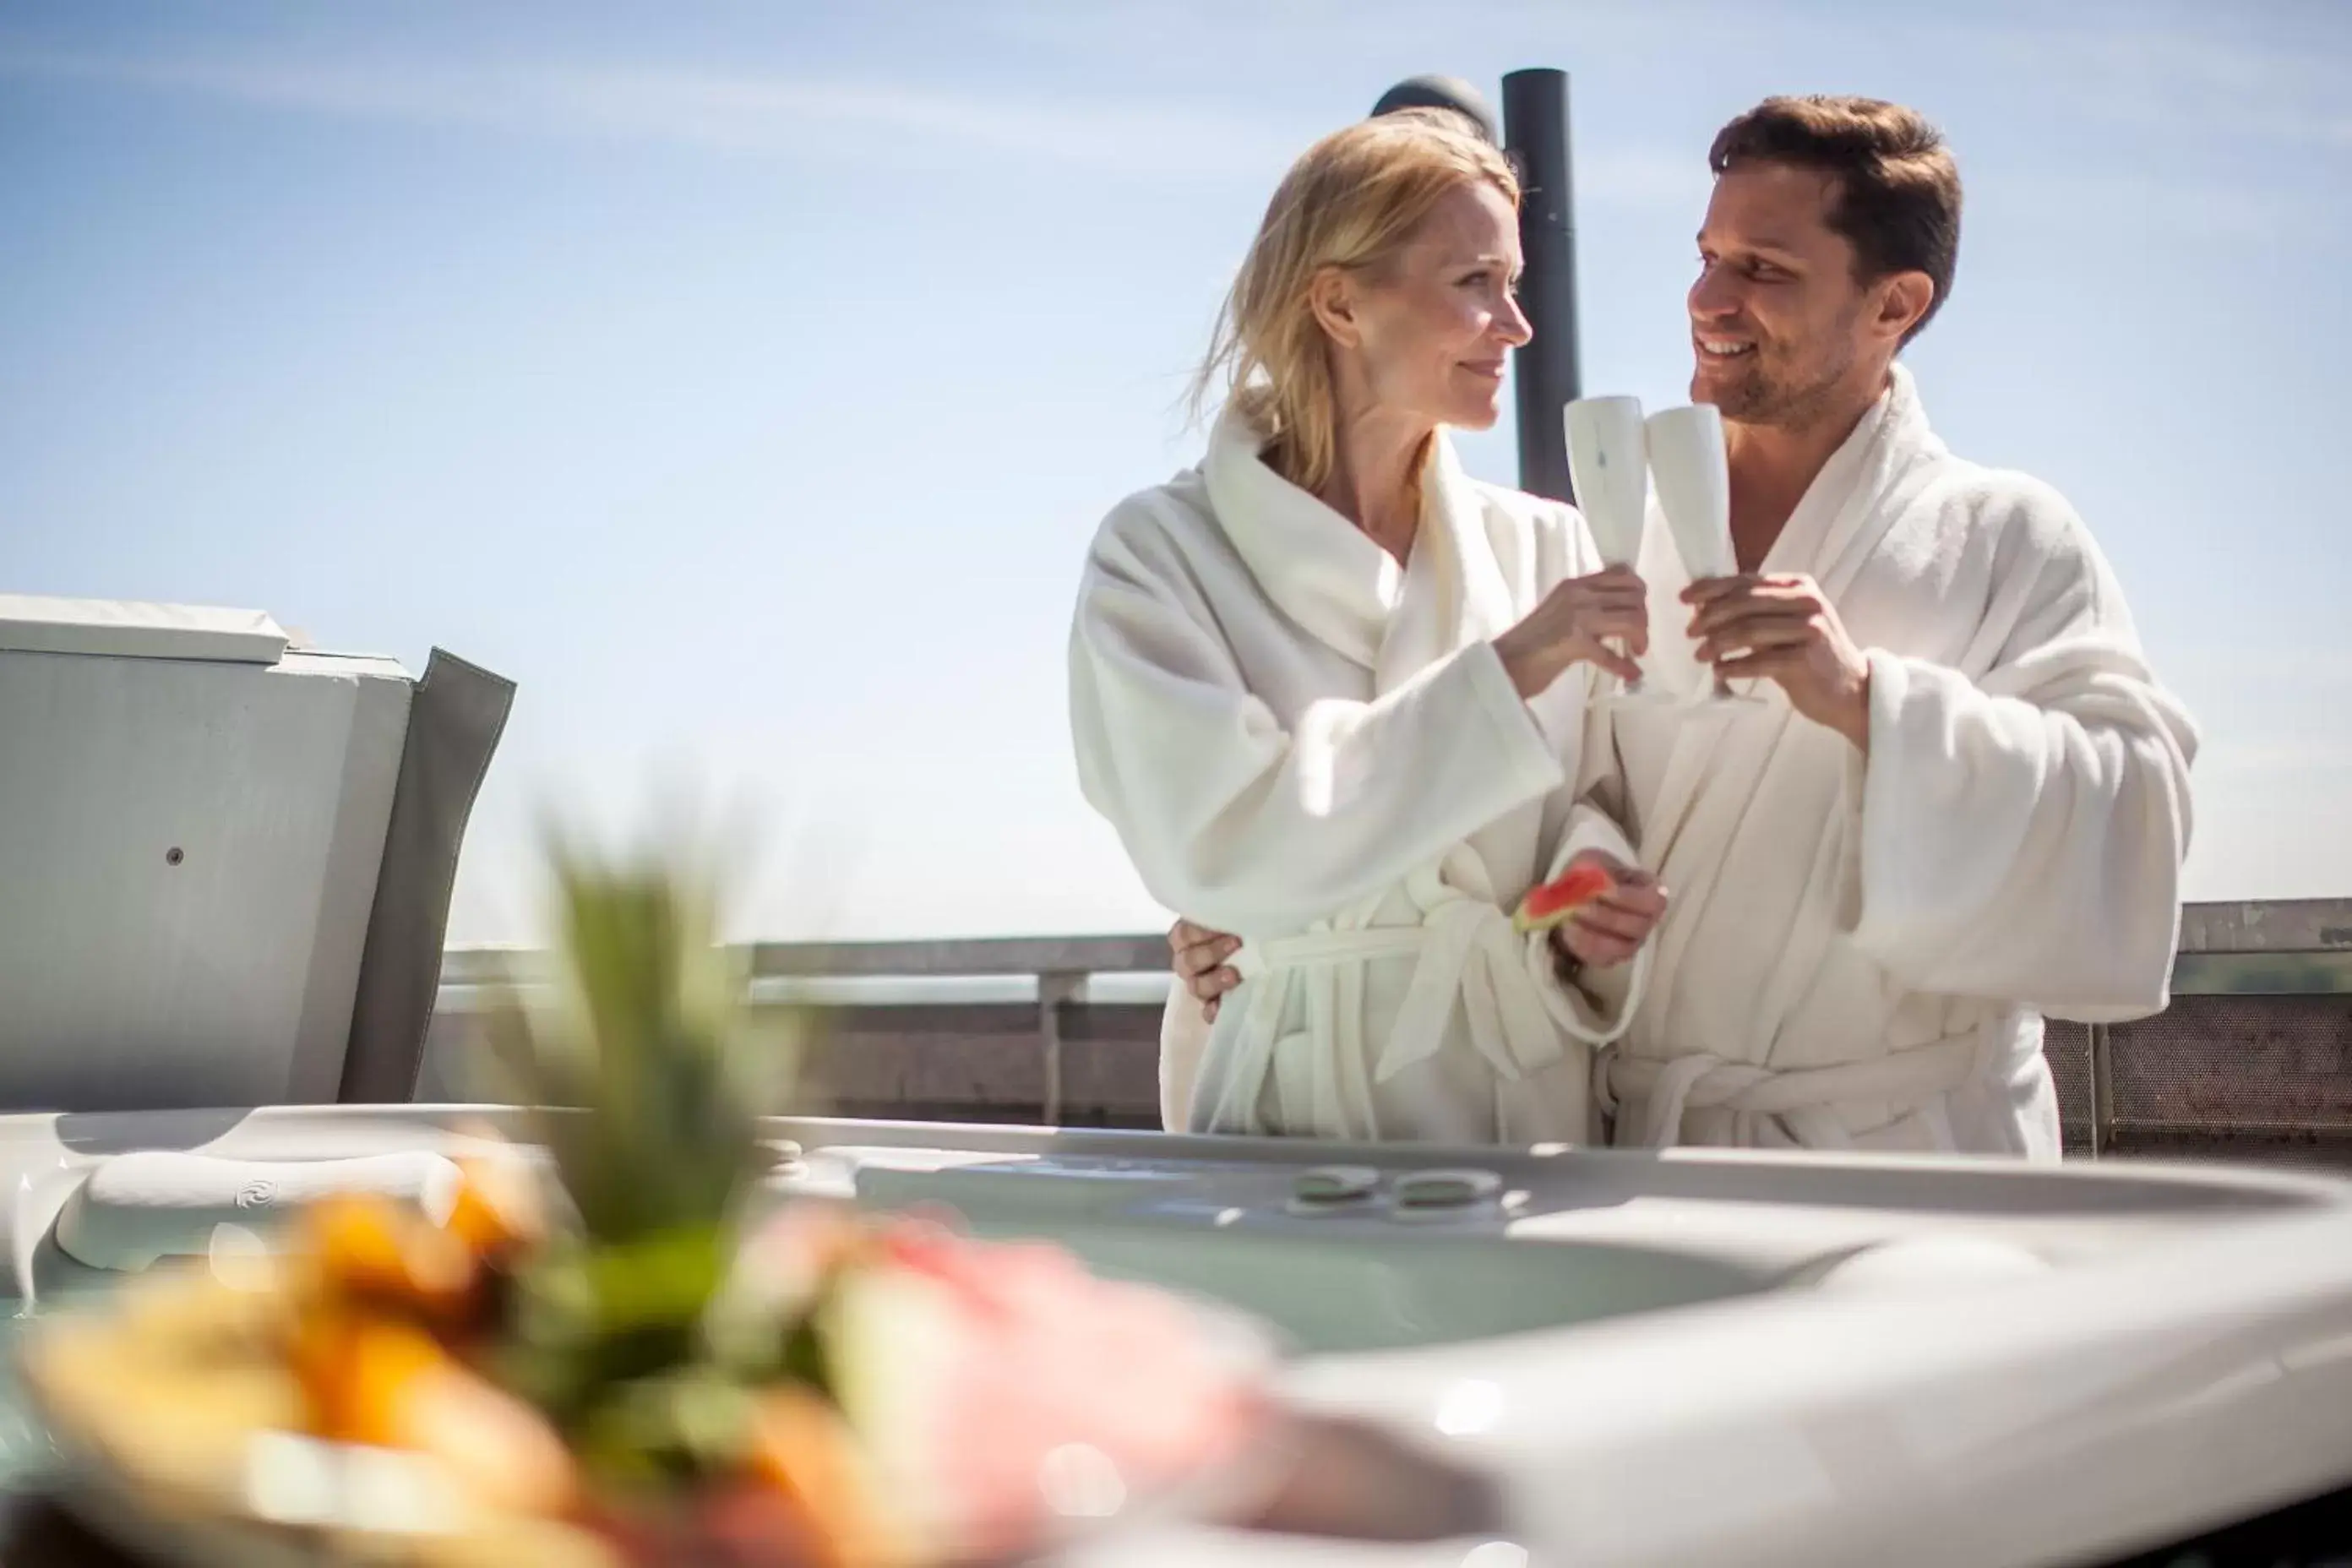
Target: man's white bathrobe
(1303, 743)
(1859, 951)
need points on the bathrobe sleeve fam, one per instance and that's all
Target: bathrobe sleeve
(1246, 825)
(1184, 1045)
(2022, 817)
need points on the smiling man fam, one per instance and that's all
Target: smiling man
(1963, 801)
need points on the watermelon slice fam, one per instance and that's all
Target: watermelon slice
(1552, 903)
(974, 1372)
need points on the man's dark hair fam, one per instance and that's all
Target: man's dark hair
(1898, 190)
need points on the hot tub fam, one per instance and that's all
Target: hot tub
(1683, 1358)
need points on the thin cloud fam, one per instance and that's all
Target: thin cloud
(1651, 178)
(760, 116)
(1191, 33)
(2274, 757)
(740, 115)
(2311, 669)
(2181, 208)
(2187, 80)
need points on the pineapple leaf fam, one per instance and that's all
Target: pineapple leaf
(637, 1060)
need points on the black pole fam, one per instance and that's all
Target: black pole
(1535, 133)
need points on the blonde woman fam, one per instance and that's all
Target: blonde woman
(1329, 690)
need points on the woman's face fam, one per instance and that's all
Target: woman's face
(1430, 333)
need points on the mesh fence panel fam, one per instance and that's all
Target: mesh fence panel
(2067, 1048)
(2265, 1065)
(2236, 1077)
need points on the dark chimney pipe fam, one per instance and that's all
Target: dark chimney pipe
(1544, 373)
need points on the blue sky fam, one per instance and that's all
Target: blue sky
(746, 379)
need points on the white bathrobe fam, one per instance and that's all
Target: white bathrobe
(1859, 951)
(1303, 743)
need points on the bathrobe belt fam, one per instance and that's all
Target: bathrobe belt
(1663, 1090)
(1462, 949)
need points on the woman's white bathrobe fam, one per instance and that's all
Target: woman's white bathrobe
(1303, 743)
(1860, 950)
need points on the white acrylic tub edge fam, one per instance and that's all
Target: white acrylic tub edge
(2197, 1370)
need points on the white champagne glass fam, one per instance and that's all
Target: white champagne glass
(1608, 461)
(1692, 470)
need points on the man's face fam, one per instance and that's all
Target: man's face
(1779, 321)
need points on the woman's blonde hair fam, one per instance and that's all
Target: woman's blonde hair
(1351, 201)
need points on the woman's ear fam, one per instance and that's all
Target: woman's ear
(1331, 295)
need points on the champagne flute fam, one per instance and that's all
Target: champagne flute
(1688, 461)
(1608, 460)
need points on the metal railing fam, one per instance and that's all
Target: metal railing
(1061, 969)
(2256, 1049)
